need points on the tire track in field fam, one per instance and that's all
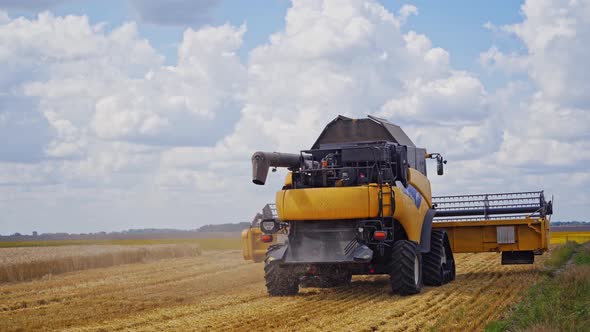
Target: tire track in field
(489, 295)
(423, 303)
(219, 291)
(117, 290)
(308, 307)
(508, 292)
(185, 314)
(367, 301)
(420, 317)
(123, 277)
(446, 295)
(96, 278)
(291, 306)
(360, 302)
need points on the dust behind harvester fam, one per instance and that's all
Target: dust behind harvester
(359, 202)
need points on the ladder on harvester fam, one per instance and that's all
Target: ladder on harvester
(382, 206)
(515, 223)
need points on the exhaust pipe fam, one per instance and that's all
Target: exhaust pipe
(262, 161)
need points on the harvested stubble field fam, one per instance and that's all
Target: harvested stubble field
(219, 291)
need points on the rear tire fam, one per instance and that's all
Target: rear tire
(439, 264)
(280, 280)
(406, 268)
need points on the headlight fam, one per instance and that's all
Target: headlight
(268, 225)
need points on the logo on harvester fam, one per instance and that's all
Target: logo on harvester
(413, 194)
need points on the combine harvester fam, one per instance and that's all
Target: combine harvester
(359, 202)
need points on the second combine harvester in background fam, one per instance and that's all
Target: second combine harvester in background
(359, 202)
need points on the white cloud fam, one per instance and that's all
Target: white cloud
(109, 126)
(190, 103)
(556, 34)
(546, 118)
(407, 11)
(348, 58)
(97, 85)
(511, 63)
(549, 126)
(536, 153)
(457, 99)
(95, 109)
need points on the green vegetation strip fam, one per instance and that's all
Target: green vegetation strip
(205, 244)
(560, 301)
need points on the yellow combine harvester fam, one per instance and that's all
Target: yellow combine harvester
(359, 202)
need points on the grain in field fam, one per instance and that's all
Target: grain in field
(563, 237)
(20, 264)
(218, 291)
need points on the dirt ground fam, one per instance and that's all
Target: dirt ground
(220, 291)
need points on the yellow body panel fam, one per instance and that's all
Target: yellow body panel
(252, 247)
(481, 236)
(323, 203)
(289, 179)
(410, 216)
(421, 183)
(341, 203)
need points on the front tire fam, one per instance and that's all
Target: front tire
(280, 280)
(406, 268)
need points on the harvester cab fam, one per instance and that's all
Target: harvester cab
(359, 202)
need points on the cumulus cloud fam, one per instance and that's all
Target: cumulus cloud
(508, 63)
(110, 126)
(348, 58)
(104, 94)
(96, 105)
(551, 123)
(546, 118)
(175, 12)
(113, 86)
(555, 34)
(459, 98)
(192, 103)
(407, 11)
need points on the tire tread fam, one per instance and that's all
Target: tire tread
(402, 271)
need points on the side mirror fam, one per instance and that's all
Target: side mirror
(440, 167)
(439, 162)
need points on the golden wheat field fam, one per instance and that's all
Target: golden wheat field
(218, 291)
(26, 263)
(563, 237)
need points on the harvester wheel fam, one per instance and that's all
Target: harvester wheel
(439, 264)
(280, 280)
(406, 271)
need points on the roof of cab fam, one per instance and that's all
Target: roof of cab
(347, 130)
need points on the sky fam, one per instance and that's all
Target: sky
(141, 113)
